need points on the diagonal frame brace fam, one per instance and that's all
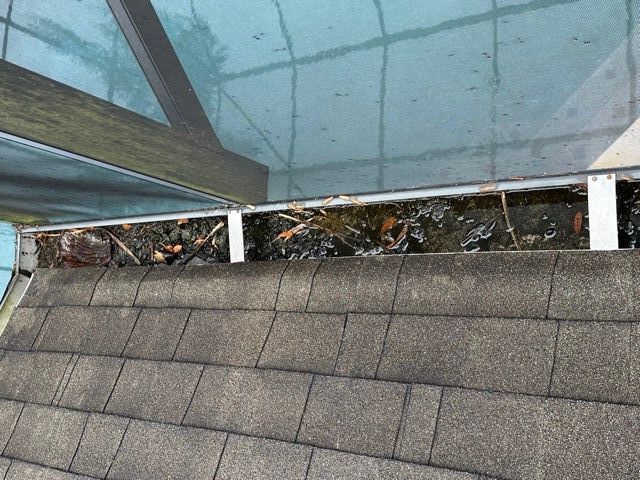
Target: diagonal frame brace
(160, 63)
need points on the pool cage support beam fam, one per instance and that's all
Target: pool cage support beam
(152, 48)
(236, 236)
(603, 217)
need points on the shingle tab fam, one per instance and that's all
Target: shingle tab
(593, 361)
(156, 333)
(90, 330)
(494, 434)
(156, 287)
(589, 440)
(513, 355)
(99, 444)
(361, 416)
(492, 284)
(32, 376)
(348, 284)
(260, 459)
(23, 471)
(118, 287)
(612, 280)
(4, 466)
(46, 435)
(418, 424)
(158, 391)
(255, 402)
(9, 413)
(152, 451)
(23, 328)
(304, 342)
(225, 337)
(362, 345)
(250, 285)
(62, 286)
(91, 383)
(331, 465)
(295, 285)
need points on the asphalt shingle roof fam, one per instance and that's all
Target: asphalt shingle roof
(505, 365)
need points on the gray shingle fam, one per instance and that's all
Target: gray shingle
(593, 362)
(350, 285)
(250, 286)
(90, 330)
(91, 383)
(334, 285)
(225, 337)
(9, 413)
(500, 354)
(354, 415)
(23, 327)
(32, 376)
(4, 466)
(46, 435)
(158, 391)
(589, 440)
(296, 285)
(331, 465)
(156, 333)
(612, 280)
(118, 287)
(29, 471)
(99, 444)
(500, 284)
(156, 287)
(494, 434)
(362, 345)
(418, 424)
(255, 402)
(62, 286)
(247, 458)
(153, 451)
(305, 342)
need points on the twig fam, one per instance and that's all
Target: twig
(510, 229)
(123, 246)
(188, 258)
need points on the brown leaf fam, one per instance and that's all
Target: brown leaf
(286, 235)
(399, 238)
(127, 226)
(182, 221)
(198, 241)
(327, 200)
(175, 249)
(577, 223)
(158, 257)
(388, 225)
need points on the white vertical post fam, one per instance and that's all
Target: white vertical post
(236, 237)
(603, 216)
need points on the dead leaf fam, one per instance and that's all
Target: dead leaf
(250, 207)
(356, 201)
(127, 227)
(399, 238)
(489, 187)
(286, 235)
(198, 241)
(577, 223)
(182, 221)
(388, 224)
(296, 207)
(327, 200)
(174, 249)
(344, 197)
(158, 257)
(516, 178)
(625, 177)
